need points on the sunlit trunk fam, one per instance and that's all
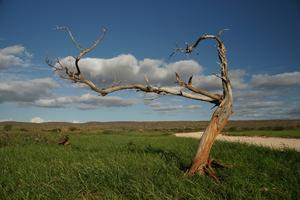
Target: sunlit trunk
(218, 121)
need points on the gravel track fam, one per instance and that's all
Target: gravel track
(272, 142)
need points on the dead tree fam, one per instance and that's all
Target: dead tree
(202, 163)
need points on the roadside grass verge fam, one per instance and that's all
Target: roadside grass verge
(122, 166)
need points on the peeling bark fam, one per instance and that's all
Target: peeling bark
(218, 120)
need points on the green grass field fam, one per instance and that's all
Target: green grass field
(112, 166)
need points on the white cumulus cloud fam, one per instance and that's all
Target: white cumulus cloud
(16, 55)
(164, 107)
(84, 102)
(37, 120)
(128, 69)
(25, 90)
(277, 80)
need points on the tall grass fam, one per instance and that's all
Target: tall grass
(141, 167)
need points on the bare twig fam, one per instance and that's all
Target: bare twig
(221, 31)
(83, 50)
(187, 49)
(75, 42)
(218, 76)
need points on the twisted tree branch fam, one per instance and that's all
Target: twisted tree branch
(197, 93)
(201, 91)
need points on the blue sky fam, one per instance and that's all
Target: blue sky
(262, 43)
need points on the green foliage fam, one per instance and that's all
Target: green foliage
(232, 129)
(278, 128)
(72, 129)
(110, 132)
(7, 127)
(24, 130)
(56, 130)
(116, 166)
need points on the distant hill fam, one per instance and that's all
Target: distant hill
(170, 126)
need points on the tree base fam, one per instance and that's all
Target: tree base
(208, 169)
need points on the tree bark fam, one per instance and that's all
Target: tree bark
(218, 121)
(202, 162)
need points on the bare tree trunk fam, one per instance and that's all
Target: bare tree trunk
(201, 163)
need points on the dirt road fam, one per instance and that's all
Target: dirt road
(272, 142)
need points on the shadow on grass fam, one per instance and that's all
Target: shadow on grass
(166, 155)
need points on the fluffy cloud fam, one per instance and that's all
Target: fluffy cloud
(265, 97)
(266, 109)
(13, 56)
(128, 69)
(175, 107)
(213, 83)
(37, 120)
(255, 105)
(277, 80)
(294, 111)
(237, 79)
(84, 102)
(5, 120)
(25, 90)
(259, 97)
(209, 82)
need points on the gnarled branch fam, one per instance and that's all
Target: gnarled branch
(198, 90)
(145, 88)
(223, 65)
(197, 93)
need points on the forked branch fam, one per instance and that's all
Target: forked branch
(223, 64)
(83, 50)
(195, 93)
(197, 90)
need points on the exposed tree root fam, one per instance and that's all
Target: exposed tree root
(218, 164)
(209, 169)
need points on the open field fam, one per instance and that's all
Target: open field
(141, 160)
(139, 166)
(269, 128)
